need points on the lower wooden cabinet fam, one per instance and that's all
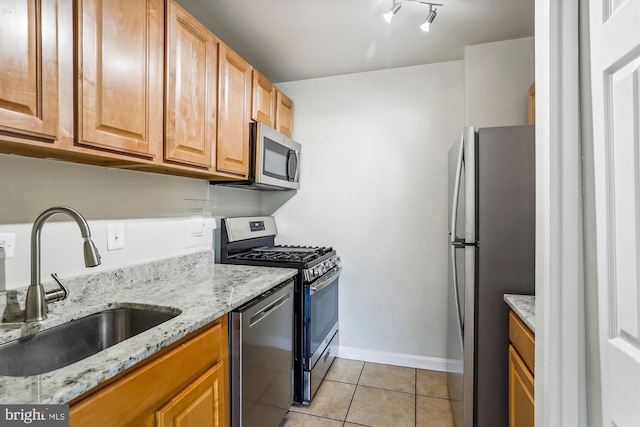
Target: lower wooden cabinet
(185, 385)
(521, 380)
(521, 402)
(197, 405)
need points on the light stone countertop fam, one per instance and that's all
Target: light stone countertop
(525, 307)
(193, 284)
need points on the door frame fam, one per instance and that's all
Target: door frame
(560, 368)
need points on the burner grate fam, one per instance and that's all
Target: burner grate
(297, 254)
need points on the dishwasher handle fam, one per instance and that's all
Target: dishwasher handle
(268, 309)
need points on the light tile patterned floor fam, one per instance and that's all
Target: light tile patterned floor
(356, 394)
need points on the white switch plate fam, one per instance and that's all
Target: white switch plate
(8, 244)
(115, 236)
(199, 231)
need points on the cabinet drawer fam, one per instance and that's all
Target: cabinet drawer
(523, 340)
(147, 387)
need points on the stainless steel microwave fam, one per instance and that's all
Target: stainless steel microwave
(274, 162)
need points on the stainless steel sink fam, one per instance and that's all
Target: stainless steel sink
(70, 342)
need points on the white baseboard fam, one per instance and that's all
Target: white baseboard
(397, 359)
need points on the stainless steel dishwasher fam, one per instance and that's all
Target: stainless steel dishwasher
(262, 358)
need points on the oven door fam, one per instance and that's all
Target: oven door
(321, 315)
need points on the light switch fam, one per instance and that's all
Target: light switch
(7, 245)
(115, 236)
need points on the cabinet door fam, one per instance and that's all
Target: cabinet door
(263, 104)
(29, 68)
(234, 100)
(200, 404)
(192, 73)
(284, 116)
(120, 75)
(521, 403)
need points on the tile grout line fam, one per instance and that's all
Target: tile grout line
(415, 399)
(354, 394)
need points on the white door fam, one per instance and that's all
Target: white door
(615, 74)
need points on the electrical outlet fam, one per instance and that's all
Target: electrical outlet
(115, 236)
(7, 245)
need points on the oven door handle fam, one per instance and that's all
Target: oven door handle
(326, 281)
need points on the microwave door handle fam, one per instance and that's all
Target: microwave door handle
(288, 166)
(292, 172)
(296, 177)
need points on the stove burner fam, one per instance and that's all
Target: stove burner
(298, 254)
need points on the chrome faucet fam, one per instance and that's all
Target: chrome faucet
(37, 299)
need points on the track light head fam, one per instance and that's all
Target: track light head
(427, 23)
(389, 15)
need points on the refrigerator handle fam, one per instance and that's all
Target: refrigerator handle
(456, 295)
(455, 241)
(456, 192)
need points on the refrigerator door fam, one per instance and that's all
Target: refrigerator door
(462, 201)
(456, 278)
(471, 282)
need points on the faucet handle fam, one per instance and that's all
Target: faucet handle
(56, 294)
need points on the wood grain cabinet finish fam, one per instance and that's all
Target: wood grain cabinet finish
(521, 379)
(188, 381)
(234, 112)
(284, 115)
(521, 402)
(120, 75)
(263, 103)
(198, 404)
(29, 69)
(191, 89)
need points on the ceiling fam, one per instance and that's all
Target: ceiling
(289, 40)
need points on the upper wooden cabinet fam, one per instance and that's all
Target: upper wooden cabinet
(191, 89)
(284, 115)
(120, 75)
(234, 112)
(271, 106)
(263, 104)
(29, 69)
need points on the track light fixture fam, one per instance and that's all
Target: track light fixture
(427, 23)
(397, 4)
(389, 15)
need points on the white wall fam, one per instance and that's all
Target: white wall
(497, 80)
(374, 186)
(155, 209)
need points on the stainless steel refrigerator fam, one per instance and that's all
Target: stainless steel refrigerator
(491, 252)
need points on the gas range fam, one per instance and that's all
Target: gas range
(313, 261)
(251, 241)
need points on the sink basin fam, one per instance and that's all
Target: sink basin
(73, 341)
